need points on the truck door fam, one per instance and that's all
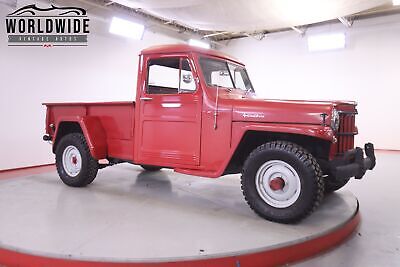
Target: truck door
(170, 113)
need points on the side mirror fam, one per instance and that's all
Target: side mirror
(223, 73)
(187, 78)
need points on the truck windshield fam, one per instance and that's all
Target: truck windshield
(225, 74)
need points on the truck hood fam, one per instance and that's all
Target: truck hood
(286, 111)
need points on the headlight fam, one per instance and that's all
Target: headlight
(335, 120)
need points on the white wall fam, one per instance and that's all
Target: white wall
(280, 67)
(367, 70)
(104, 71)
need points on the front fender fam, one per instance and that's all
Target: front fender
(317, 131)
(239, 129)
(93, 131)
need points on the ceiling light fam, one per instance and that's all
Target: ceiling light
(396, 2)
(326, 42)
(198, 43)
(126, 28)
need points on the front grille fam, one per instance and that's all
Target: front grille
(347, 131)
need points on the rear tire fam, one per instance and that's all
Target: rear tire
(151, 168)
(282, 182)
(75, 165)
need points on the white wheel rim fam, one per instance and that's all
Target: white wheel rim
(72, 161)
(278, 184)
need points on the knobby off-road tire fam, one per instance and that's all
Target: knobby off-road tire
(151, 168)
(332, 184)
(282, 182)
(75, 165)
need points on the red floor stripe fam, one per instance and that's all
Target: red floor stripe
(24, 171)
(274, 257)
(387, 150)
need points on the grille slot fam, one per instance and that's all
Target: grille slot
(347, 131)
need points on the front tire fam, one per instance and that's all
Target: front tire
(75, 165)
(282, 182)
(332, 184)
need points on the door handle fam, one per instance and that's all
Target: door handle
(171, 105)
(146, 98)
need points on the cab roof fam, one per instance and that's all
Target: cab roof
(184, 48)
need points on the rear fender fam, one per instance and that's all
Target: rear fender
(93, 131)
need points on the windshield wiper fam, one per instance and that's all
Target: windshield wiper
(228, 89)
(248, 90)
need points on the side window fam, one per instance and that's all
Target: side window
(169, 76)
(163, 76)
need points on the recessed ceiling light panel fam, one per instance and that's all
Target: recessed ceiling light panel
(198, 43)
(326, 41)
(126, 28)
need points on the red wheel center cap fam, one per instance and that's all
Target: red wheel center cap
(74, 160)
(277, 184)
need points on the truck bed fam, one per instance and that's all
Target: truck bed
(117, 119)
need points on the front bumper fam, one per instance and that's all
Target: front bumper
(353, 163)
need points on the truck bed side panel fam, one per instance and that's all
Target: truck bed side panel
(116, 118)
(118, 123)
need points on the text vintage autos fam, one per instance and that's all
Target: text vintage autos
(196, 112)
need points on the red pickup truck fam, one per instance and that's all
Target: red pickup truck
(196, 112)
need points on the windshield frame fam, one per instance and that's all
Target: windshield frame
(227, 62)
(247, 76)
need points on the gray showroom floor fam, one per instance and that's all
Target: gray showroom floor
(377, 241)
(132, 215)
(125, 202)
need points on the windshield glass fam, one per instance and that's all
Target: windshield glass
(225, 74)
